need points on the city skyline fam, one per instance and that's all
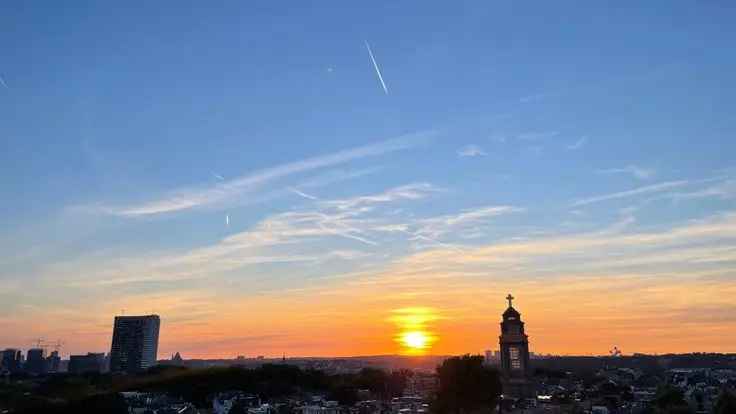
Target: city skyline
(360, 180)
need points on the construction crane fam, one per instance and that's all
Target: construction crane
(39, 343)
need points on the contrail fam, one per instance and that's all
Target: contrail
(2, 81)
(302, 194)
(375, 65)
(227, 220)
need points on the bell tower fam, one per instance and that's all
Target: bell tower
(514, 349)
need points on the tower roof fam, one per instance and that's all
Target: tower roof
(510, 311)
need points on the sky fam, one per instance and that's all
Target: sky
(324, 179)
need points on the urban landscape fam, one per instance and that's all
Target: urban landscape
(130, 379)
(384, 207)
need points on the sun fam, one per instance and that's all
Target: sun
(415, 340)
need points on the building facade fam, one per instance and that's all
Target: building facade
(134, 343)
(12, 360)
(514, 353)
(81, 364)
(36, 361)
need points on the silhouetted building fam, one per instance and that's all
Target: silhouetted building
(12, 360)
(514, 350)
(491, 357)
(92, 362)
(176, 359)
(36, 361)
(134, 343)
(53, 361)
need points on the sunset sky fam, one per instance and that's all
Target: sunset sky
(240, 170)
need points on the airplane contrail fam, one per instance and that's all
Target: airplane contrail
(375, 66)
(2, 81)
(302, 194)
(227, 220)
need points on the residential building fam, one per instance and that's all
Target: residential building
(134, 343)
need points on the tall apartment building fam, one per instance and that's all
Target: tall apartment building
(134, 343)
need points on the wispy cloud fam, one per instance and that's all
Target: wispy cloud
(2, 82)
(578, 144)
(436, 227)
(722, 190)
(655, 188)
(295, 236)
(635, 171)
(471, 151)
(198, 197)
(405, 192)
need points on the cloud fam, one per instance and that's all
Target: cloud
(471, 151)
(413, 191)
(655, 188)
(296, 236)
(578, 144)
(433, 228)
(225, 191)
(723, 190)
(637, 172)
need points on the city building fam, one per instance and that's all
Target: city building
(36, 361)
(53, 361)
(514, 350)
(12, 360)
(81, 364)
(176, 359)
(491, 357)
(223, 402)
(134, 343)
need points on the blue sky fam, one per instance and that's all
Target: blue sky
(183, 149)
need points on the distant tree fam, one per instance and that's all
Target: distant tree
(670, 400)
(726, 403)
(466, 386)
(396, 382)
(101, 403)
(344, 394)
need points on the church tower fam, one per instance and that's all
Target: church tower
(514, 349)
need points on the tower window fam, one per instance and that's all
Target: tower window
(514, 358)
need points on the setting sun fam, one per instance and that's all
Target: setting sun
(415, 333)
(415, 340)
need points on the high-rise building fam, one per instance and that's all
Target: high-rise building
(53, 361)
(12, 360)
(36, 361)
(80, 364)
(514, 350)
(134, 343)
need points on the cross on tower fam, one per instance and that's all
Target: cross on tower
(509, 298)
